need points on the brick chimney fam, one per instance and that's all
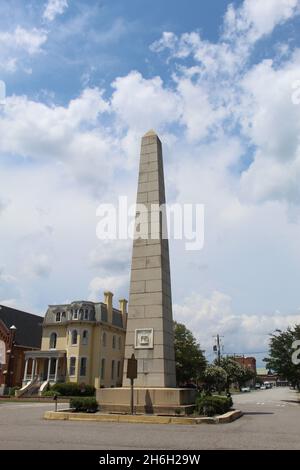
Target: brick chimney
(123, 309)
(108, 301)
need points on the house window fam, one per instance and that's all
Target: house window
(74, 337)
(85, 337)
(72, 366)
(114, 342)
(81, 314)
(86, 314)
(104, 339)
(112, 370)
(58, 316)
(119, 369)
(102, 373)
(53, 339)
(119, 342)
(83, 361)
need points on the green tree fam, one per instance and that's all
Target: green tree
(245, 375)
(234, 371)
(190, 360)
(280, 355)
(214, 377)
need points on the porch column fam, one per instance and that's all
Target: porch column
(49, 365)
(25, 370)
(32, 369)
(56, 369)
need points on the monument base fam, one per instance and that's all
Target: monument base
(170, 401)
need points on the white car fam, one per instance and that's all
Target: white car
(263, 387)
(245, 389)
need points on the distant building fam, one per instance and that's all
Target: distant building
(19, 332)
(249, 362)
(267, 376)
(82, 342)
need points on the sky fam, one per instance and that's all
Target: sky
(220, 83)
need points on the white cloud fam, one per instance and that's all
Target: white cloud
(142, 104)
(98, 285)
(19, 43)
(53, 8)
(246, 333)
(272, 123)
(255, 18)
(30, 40)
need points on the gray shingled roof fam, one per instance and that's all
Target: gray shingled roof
(29, 326)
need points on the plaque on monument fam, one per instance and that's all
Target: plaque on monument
(144, 338)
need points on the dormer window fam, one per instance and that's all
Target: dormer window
(75, 314)
(86, 314)
(81, 314)
(58, 316)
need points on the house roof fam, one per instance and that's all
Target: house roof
(29, 326)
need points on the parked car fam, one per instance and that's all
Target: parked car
(257, 386)
(245, 389)
(263, 387)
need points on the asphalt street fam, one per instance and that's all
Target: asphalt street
(271, 421)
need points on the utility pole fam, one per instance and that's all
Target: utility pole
(217, 347)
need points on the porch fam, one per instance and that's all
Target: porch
(45, 366)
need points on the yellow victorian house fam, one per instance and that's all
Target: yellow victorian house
(82, 342)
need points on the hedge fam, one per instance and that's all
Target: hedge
(71, 389)
(50, 393)
(86, 404)
(213, 405)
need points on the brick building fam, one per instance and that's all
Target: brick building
(19, 332)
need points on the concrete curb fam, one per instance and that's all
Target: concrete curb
(65, 415)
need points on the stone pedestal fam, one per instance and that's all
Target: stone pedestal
(170, 401)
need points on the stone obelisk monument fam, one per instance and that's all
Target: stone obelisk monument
(149, 333)
(150, 323)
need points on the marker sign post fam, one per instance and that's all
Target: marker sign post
(131, 374)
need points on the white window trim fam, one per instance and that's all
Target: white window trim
(72, 375)
(86, 362)
(71, 333)
(85, 341)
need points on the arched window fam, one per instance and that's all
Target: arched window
(85, 335)
(104, 339)
(53, 339)
(114, 342)
(74, 336)
(86, 314)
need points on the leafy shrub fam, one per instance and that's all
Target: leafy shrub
(12, 391)
(213, 405)
(50, 393)
(70, 389)
(86, 404)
